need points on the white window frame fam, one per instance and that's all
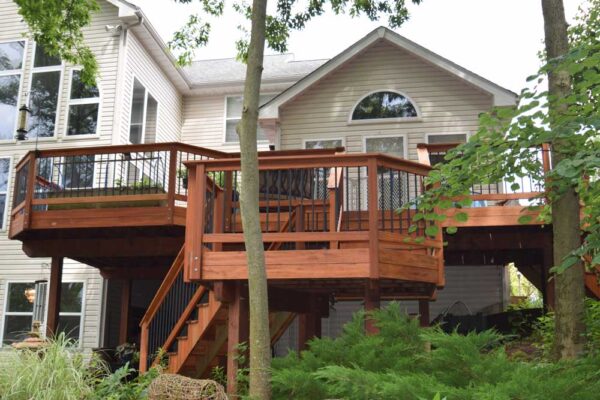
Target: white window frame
(60, 68)
(3, 228)
(145, 106)
(225, 119)
(404, 137)
(427, 135)
(81, 314)
(418, 118)
(73, 102)
(21, 74)
(43, 327)
(342, 139)
(5, 311)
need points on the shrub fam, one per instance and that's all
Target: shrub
(405, 362)
(54, 372)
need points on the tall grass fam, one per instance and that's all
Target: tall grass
(52, 373)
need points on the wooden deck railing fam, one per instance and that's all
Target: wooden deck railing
(146, 175)
(495, 193)
(308, 203)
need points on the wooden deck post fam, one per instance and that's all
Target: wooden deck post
(124, 315)
(424, 313)
(309, 323)
(372, 302)
(238, 331)
(54, 290)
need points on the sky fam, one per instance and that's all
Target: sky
(497, 39)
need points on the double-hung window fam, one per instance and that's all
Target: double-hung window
(43, 94)
(18, 311)
(26, 302)
(84, 105)
(233, 116)
(11, 73)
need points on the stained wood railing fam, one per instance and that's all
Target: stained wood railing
(495, 193)
(171, 307)
(109, 177)
(311, 206)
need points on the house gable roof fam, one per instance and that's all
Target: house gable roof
(502, 96)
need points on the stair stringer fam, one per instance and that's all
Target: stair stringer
(195, 332)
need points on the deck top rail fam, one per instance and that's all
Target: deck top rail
(342, 208)
(110, 177)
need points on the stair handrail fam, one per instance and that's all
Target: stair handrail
(159, 297)
(185, 315)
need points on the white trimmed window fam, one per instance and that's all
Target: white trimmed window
(18, 311)
(44, 93)
(323, 144)
(436, 138)
(11, 73)
(144, 114)
(70, 319)
(233, 115)
(442, 138)
(84, 105)
(4, 183)
(393, 145)
(384, 105)
(26, 302)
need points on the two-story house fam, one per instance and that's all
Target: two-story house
(384, 99)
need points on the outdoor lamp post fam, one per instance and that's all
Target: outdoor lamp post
(22, 128)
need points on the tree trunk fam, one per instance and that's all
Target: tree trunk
(569, 285)
(260, 349)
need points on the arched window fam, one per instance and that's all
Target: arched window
(383, 105)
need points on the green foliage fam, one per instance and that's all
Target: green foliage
(506, 145)
(545, 329)
(120, 385)
(54, 372)
(59, 372)
(404, 361)
(289, 15)
(57, 25)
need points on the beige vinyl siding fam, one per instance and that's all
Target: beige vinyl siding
(141, 66)
(446, 103)
(14, 264)
(204, 123)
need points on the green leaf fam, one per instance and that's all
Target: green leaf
(432, 230)
(451, 230)
(567, 263)
(525, 219)
(461, 217)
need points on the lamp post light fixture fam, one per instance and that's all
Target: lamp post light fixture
(24, 112)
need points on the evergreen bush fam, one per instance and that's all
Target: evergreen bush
(404, 361)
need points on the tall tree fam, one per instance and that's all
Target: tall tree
(569, 285)
(566, 116)
(56, 25)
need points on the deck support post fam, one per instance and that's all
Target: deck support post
(124, 314)
(238, 331)
(424, 313)
(309, 323)
(56, 269)
(372, 302)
